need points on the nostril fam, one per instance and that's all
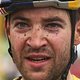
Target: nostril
(38, 29)
(44, 45)
(35, 43)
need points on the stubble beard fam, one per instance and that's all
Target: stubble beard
(53, 73)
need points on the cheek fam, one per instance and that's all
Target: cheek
(17, 41)
(60, 43)
(61, 47)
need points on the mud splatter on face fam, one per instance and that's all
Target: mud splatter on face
(38, 29)
(24, 34)
(18, 37)
(47, 35)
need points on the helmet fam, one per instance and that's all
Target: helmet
(10, 6)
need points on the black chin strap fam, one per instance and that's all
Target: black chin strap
(73, 51)
(9, 49)
(72, 59)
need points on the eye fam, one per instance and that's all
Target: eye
(21, 25)
(53, 26)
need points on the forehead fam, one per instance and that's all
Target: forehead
(45, 12)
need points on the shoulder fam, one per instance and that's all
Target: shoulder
(18, 78)
(75, 78)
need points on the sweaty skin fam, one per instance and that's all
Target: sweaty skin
(40, 39)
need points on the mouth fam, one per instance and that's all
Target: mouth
(37, 60)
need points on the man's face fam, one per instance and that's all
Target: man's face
(40, 40)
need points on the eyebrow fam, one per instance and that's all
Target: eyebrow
(21, 18)
(50, 19)
(56, 18)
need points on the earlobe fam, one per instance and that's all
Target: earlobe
(77, 33)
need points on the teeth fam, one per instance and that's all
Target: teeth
(38, 59)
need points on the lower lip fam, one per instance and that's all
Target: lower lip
(37, 64)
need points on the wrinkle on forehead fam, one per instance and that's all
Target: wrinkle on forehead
(48, 11)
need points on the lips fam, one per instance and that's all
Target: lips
(37, 60)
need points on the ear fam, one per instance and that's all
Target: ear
(77, 33)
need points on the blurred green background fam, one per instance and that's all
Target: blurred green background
(7, 69)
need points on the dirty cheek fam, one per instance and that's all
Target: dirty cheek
(55, 42)
(38, 29)
(17, 41)
(24, 34)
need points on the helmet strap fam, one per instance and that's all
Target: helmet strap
(73, 50)
(72, 59)
(9, 49)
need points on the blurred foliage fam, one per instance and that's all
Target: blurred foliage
(7, 69)
(3, 48)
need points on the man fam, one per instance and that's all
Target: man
(41, 38)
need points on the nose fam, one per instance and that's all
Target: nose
(36, 39)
